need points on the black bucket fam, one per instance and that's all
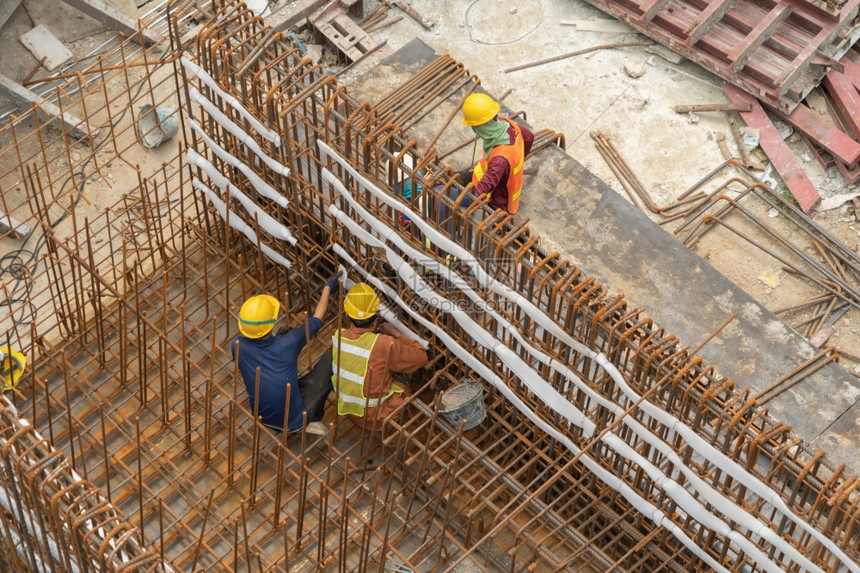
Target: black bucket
(464, 402)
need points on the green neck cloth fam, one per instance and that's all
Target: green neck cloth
(492, 133)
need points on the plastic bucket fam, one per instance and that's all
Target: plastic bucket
(464, 402)
(155, 125)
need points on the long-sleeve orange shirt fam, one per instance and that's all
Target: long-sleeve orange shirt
(402, 355)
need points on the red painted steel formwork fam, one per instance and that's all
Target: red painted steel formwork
(780, 155)
(776, 50)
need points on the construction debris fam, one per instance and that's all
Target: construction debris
(702, 107)
(608, 26)
(334, 27)
(778, 52)
(777, 151)
(837, 272)
(109, 16)
(576, 53)
(24, 98)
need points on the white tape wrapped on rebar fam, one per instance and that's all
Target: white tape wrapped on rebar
(703, 448)
(237, 223)
(266, 221)
(237, 131)
(713, 496)
(261, 186)
(536, 384)
(6, 503)
(198, 72)
(641, 504)
(548, 395)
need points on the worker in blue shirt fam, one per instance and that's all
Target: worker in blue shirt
(276, 358)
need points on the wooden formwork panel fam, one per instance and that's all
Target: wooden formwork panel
(777, 51)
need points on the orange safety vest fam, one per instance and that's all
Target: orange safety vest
(514, 154)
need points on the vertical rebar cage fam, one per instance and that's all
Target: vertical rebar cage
(129, 443)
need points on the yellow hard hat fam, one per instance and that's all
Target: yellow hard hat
(361, 302)
(258, 315)
(12, 365)
(478, 109)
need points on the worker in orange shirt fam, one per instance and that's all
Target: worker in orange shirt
(365, 358)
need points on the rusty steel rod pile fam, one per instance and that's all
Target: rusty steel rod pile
(129, 443)
(831, 266)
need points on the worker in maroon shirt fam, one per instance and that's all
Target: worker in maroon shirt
(499, 173)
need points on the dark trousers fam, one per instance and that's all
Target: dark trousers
(443, 209)
(315, 388)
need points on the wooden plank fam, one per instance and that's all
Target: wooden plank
(7, 8)
(708, 19)
(109, 16)
(300, 15)
(838, 143)
(852, 71)
(846, 98)
(46, 47)
(852, 175)
(822, 59)
(650, 8)
(412, 13)
(783, 74)
(24, 98)
(9, 224)
(804, 58)
(763, 30)
(342, 34)
(777, 151)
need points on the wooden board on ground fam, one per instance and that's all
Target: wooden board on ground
(109, 16)
(43, 44)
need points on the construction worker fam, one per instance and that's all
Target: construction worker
(365, 358)
(499, 173)
(275, 358)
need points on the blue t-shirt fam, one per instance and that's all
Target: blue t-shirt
(278, 360)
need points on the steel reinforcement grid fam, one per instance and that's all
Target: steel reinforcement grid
(129, 443)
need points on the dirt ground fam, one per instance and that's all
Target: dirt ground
(626, 93)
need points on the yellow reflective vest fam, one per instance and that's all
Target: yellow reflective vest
(349, 368)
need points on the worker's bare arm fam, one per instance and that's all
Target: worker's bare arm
(332, 286)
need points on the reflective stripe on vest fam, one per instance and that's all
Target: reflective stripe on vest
(352, 369)
(514, 154)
